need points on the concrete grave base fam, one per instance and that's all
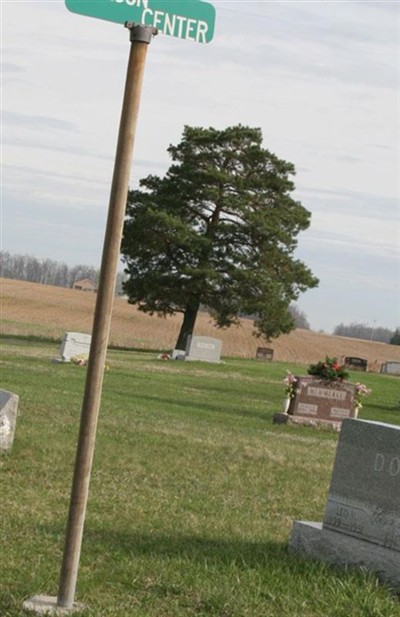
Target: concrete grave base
(284, 418)
(47, 605)
(311, 540)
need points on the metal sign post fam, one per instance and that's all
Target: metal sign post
(140, 37)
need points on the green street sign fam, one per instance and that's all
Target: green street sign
(191, 20)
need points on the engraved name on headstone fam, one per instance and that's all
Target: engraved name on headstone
(203, 348)
(364, 496)
(361, 526)
(75, 344)
(324, 400)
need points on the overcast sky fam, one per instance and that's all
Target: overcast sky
(321, 79)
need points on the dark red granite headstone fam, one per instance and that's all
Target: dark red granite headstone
(323, 400)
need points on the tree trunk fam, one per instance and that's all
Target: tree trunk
(187, 327)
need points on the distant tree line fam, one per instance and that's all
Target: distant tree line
(368, 333)
(47, 271)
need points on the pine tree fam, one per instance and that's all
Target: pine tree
(219, 230)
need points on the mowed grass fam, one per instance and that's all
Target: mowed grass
(193, 492)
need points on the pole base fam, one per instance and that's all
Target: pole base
(47, 605)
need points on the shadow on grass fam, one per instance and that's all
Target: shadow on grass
(395, 407)
(205, 551)
(198, 406)
(271, 557)
(190, 547)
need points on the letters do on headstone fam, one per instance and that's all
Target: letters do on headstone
(75, 344)
(203, 348)
(364, 496)
(264, 353)
(356, 364)
(361, 525)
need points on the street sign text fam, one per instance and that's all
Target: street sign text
(191, 20)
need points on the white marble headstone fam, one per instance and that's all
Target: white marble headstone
(203, 348)
(75, 344)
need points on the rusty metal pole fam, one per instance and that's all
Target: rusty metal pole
(140, 37)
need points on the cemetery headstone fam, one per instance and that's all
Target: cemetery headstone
(203, 348)
(264, 353)
(356, 364)
(8, 419)
(320, 403)
(75, 344)
(391, 368)
(361, 525)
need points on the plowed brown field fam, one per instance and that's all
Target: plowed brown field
(44, 310)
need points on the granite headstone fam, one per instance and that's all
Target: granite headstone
(364, 496)
(319, 403)
(356, 364)
(203, 348)
(361, 525)
(264, 353)
(391, 368)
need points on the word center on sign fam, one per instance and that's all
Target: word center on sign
(191, 20)
(176, 25)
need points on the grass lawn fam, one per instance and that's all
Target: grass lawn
(193, 490)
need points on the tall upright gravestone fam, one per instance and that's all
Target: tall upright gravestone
(361, 525)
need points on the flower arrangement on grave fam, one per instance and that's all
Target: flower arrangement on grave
(360, 392)
(329, 370)
(292, 383)
(80, 359)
